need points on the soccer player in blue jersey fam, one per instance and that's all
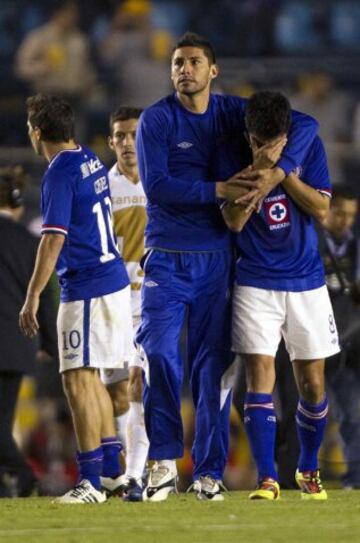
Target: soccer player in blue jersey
(94, 319)
(188, 262)
(280, 292)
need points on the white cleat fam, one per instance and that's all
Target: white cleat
(161, 483)
(207, 489)
(84, 492)
(114, 486)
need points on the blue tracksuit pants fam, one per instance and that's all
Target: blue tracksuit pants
(196, 286)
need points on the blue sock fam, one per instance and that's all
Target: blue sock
(111, 447)
(310, 424)
(260, 424)
(90, 466)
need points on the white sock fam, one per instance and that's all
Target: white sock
(170, 464)
(120, 426)
(137, 441)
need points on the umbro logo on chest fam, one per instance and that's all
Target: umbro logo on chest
(185, 145)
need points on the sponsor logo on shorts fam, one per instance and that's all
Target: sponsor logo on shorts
(71, 356)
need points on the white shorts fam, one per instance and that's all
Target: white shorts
(96, 333)
(112, 376)
(304, 319)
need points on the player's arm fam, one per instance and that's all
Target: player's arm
(311, 190)
(235, 216)
(310, 200)
(159, 186)
(299, 139)
(46, 258)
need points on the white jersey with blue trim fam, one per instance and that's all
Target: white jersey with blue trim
(128, 204)
(278, 247)
(75, 201)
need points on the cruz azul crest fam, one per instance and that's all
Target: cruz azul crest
(277, 212)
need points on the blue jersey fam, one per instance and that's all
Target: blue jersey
(278, 247)
(75, 202)
(177, 152)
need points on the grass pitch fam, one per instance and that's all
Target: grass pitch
(184, 519)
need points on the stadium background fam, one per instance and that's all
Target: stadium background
(309, 49)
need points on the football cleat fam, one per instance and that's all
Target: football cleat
(114, 486)
(207, 488)
(310, 484)
(267, 489)
(161, 483)
(84, 492)
(133, 491)
(221, 486)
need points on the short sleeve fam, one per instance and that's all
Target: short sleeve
(316, 172)
(56, 203)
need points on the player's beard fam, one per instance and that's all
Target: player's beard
(192, 89)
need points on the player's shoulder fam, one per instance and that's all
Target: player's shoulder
(73, 164)
(228, 102)
(160, 110)
(316, 151)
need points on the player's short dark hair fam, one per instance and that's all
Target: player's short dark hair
(343, 192)
(191, 39)
(267, 115)
(12, 181)
(53, 115)
(124, 113)
(61, 5)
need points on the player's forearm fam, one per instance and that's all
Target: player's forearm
(307, 198)
(46, 258)
(235, 216)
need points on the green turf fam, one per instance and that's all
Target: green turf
(184, 519)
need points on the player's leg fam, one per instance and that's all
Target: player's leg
(310, 335)
(163, 313)
(210, 369)
(80, 387)
(258, 316)
(310, 421)
(137, 440)
(113, 341)
(115, 380)
(92, 335)
(111, 479)
(119, 397)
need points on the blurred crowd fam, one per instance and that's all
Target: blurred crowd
(99, 54)
(104, 53)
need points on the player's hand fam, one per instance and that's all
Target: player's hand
(27, 317)
(268, 155)
(233, 188)
(259, 183)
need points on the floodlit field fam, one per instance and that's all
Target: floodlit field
(184, 519)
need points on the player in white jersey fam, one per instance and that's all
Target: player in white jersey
(125, 385)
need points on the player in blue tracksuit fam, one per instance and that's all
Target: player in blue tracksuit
(188, 262)
(280, 292)
(94, 320)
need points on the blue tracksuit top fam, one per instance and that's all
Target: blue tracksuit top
(177, 153)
